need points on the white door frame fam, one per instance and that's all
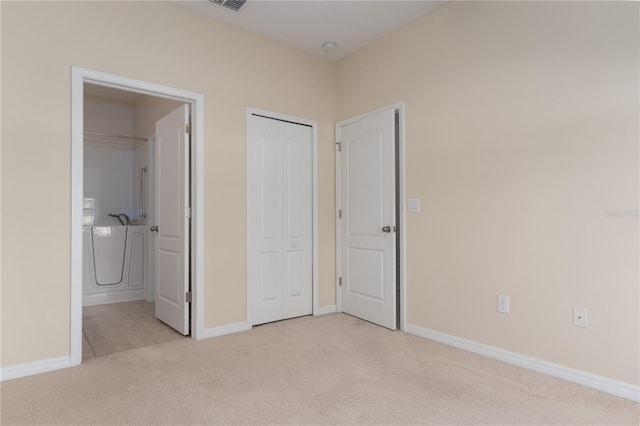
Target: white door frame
(399, 106)
(314, 208)
(79, 76)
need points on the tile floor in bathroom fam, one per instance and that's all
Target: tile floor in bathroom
(122, 326)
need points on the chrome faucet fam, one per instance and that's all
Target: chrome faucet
(126, 218)
(118, 216)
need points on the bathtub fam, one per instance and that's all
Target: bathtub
(113, 264)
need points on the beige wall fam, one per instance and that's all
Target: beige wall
(165, 44)
(521, 132)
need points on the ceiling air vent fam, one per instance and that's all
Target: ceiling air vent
(230, 4)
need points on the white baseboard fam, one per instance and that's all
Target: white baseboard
(112, 297)
(323, 310)
(604, 384)
(225, 329)
(36, 367)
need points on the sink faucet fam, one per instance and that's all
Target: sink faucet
(118, 216)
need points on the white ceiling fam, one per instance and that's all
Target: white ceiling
(307, 24)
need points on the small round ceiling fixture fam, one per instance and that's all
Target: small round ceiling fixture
(329, 46)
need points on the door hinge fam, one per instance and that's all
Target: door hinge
(340, 281)
(340, 214)
(188, 128)
(189, 212)
(339, 143)
(188, 297)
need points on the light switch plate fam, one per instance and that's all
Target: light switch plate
(413, 205)
(503, 304)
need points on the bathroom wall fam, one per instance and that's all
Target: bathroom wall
(114, 180)
(107, 114)
(149, 109)
(109, 176)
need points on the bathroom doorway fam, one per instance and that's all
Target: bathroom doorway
(119, 278)
(118, 176)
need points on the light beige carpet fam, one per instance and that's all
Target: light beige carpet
(333, 369)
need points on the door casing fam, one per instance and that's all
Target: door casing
(401, 197)
(79, 76)
(314, 209)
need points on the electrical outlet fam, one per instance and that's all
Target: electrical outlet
(580, 316)
(503, 304)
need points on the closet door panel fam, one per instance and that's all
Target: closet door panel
(280, 219)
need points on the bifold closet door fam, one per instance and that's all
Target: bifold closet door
(280, 219)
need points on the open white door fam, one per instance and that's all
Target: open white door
(367, 224)
(172, 219)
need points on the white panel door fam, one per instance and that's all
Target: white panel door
(171, 219)
(280, 219)
(297, 219)
(367, 226)
(266, 212)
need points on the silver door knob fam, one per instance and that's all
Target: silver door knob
(386, 229)
(153, 228)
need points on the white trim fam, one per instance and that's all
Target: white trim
(79, 76)
(323, 310)
(314, 183)
(594, 381)
(403, 219)
(314, 211)
(36, 367)
(338, 267)
(77, 170)
(197, 216)
(399, 106)
(225, 329)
